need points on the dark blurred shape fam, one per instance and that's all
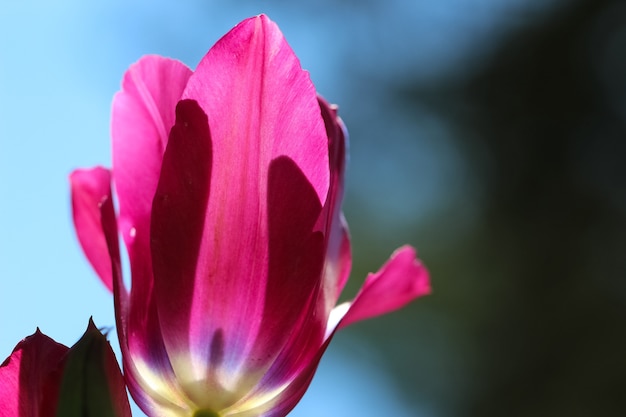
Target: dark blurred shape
(535, 295)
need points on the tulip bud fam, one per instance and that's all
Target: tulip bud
(29, 378)
(92, 383)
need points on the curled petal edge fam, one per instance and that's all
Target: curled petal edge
(90, 189)
(399, 281)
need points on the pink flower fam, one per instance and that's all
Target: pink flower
(45, 378)
(229, 183)
(30, 377)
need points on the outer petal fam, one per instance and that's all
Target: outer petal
(89, 189)
(338, 254)
(295, 261)
(177, 226)
(30, 377)
(302, 348)
(402, 279)
(143, 114)
(269, 399)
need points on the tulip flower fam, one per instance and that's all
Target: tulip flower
(30, 377)
(45, 378)
(229, 181)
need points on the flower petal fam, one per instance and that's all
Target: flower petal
(303, 344)
(261, 105)
(89, 189)
(142, 115)
(402, 279)
(338, 253)
(295, 257)
(262, 108)
(270, 399)
(177, 223)
(30, 377)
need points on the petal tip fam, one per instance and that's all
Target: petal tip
(402, 279)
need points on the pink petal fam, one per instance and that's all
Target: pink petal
(402, 279)
(30, 377)
(264, 197)
(303, 344)
(279, 402)
(297, 387)
(338, 253)
(261, 105)
(295, 259)
(178, 218)
(262, 109)
(90, 188)
(337, 149)
(142, 116)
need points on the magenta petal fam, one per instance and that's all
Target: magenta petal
(298, 386)
(177, 221)
(142, 115)
(262, 108)
(338, 262)
(90, 188)
(303, 343)
(337, 151)
(402, 279)
(338, 252)
(279, 404)
(296, 259)
(30, 377)
(261, 105)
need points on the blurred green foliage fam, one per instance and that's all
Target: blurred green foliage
(528, 261)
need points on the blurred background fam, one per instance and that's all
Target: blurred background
(490, 134)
